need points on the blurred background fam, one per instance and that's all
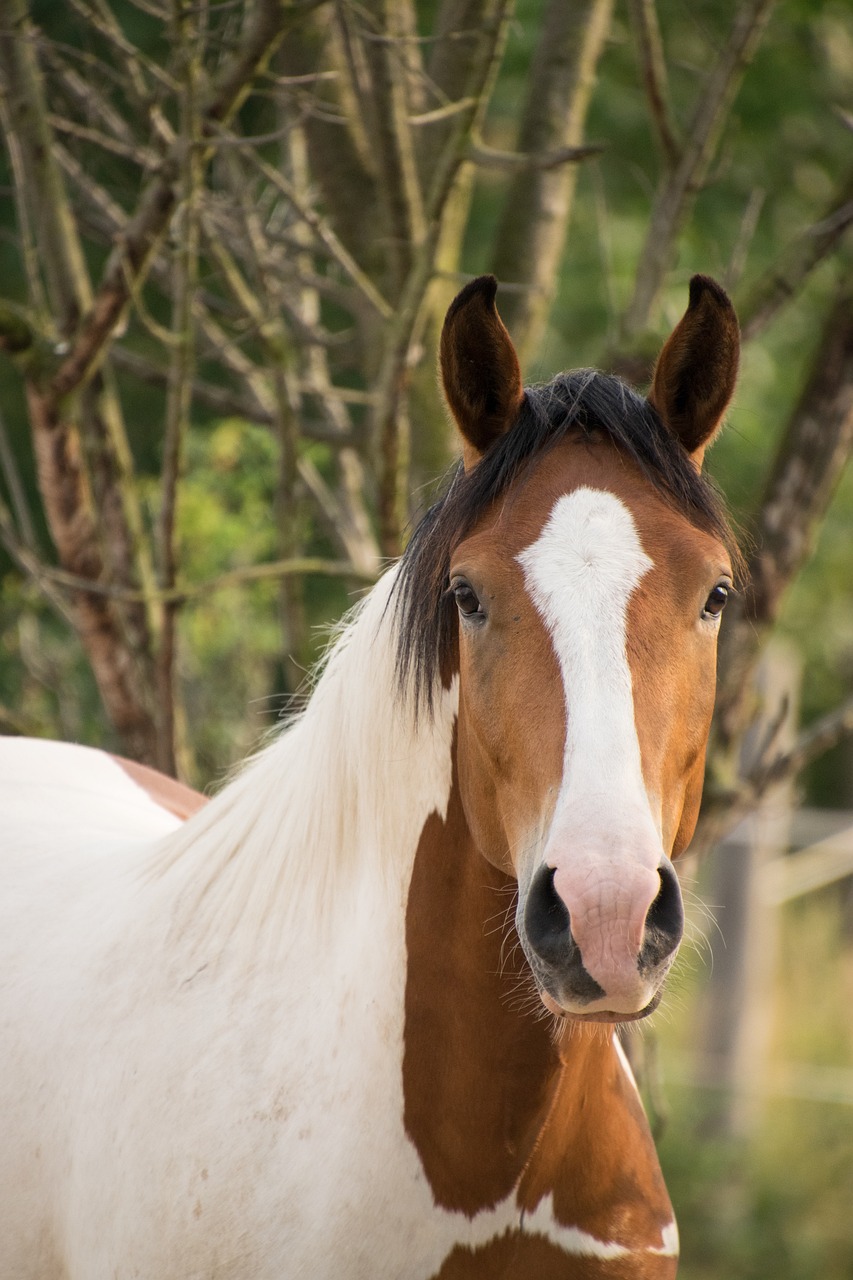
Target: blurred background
(228, 234)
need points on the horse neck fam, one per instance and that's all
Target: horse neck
(325, 818)
(499, 1099)
(477, 1072)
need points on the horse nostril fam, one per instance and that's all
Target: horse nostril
(665, 920)
(547, 937)
(546, 918)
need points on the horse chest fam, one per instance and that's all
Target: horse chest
(283, 1124)
(284, 1148)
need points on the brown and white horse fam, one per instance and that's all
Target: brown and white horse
(280, 1034)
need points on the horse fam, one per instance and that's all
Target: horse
(357, 1015)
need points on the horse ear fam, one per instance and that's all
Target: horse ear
(479, 369)
(695, 375)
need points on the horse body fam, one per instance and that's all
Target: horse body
(240, 1100)
(274, 1039)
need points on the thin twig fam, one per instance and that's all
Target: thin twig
(445, 112)
(186, 593)
(142, 156)
(796, 262)
(41, 575)
(812, 743)
(181, 370)
(17, 492)
(653, 64)
(133, 59)
(519, 162)
(327, 237)
(746, 234)
(129, 261)
(679, 187)
(230, 404)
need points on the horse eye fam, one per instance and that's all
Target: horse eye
(466, 599)
(716, 601)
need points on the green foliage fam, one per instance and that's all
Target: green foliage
(46, 684)
(775, 1202)
(231, 638)
(776, 1205)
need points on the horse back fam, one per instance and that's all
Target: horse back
(64, 790)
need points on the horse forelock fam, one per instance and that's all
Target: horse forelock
(586, 404)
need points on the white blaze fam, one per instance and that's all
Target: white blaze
(581, 573)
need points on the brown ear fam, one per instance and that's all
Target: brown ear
(479, 369)
(695, 375)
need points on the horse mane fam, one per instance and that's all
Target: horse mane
(581, 403)
(345, 784)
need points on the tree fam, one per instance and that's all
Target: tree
(236, 228)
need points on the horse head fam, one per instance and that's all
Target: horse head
(585, 567)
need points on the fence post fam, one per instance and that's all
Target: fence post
(740, 998)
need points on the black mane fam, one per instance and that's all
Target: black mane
(581, 403)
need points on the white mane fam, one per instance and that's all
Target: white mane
(340, 794)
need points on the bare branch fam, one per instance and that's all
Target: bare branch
(746, 234)
(134, 66)
(814, 742)
(231, 404)
(129, 261)
(345, 512)
(341, 155)
(385, 102)
(454, 47)
(74, 527)
(16, 490)
(144, 157)
(814, 449)
(519, 162)
(326, 236)
(387, 427)
(181, 370)
(650, 53)
(796, 263)
(678, 187)
(185, 593)
(538, 203)
(268, 22)
(25, 557)
(439, 114)
(60, 253)
(83, 462)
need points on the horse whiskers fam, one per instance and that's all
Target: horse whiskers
(504, 919)
(510, 948)
(526, 1003)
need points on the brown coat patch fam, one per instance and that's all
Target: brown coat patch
(169, 794)
(477, 1074)
(514, 1256)
(596, 1154)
